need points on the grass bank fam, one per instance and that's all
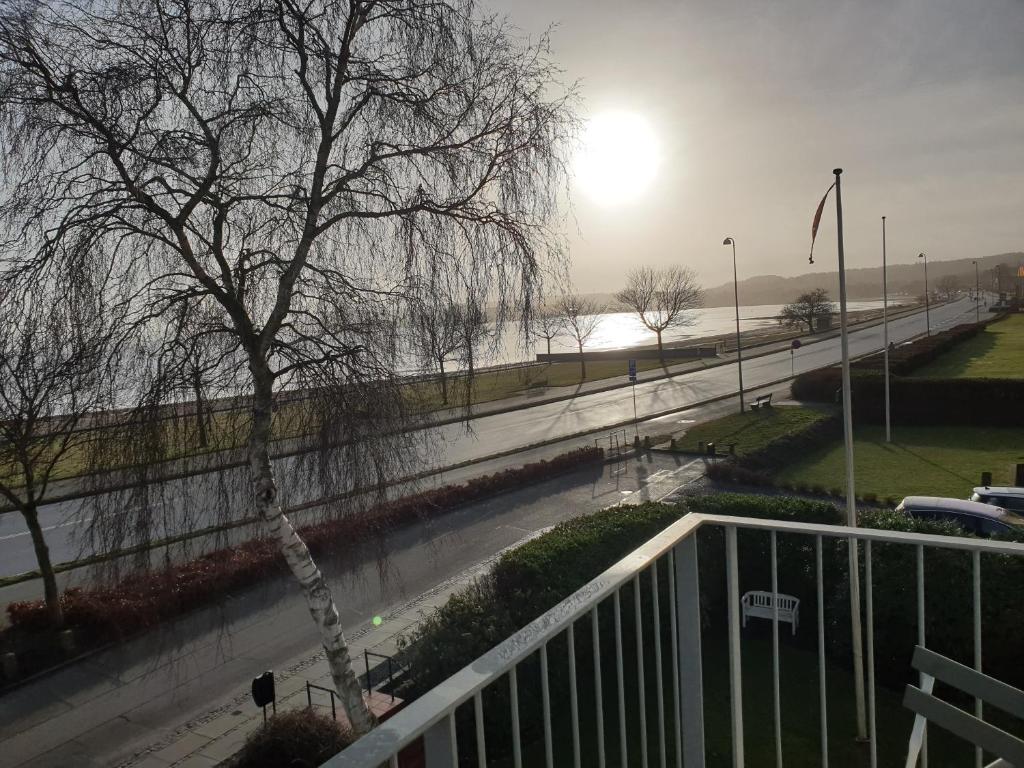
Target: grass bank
(933, 461)
(995, 353)
(750, 431)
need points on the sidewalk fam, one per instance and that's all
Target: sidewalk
(218, 734)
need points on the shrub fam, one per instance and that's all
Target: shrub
(301, 738)
(818, 490)
(870, 498)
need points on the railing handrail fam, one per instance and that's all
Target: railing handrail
(399, 731)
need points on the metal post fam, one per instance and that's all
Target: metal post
(885, 336)
(977, 294)
(851, 502)
(690, 681)
(736, 294)
(927, 300)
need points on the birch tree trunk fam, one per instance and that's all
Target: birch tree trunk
(50, 591)
(314, 587)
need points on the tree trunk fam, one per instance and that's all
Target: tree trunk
(197, 390)
(549, 347)
(300, 561)
(583, 364)
(53, 607)
(444, 383)
(661, 351)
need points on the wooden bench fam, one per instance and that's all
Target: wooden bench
(761, 401)
(759, 605)
(1006, 747)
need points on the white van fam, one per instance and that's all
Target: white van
(973, 516)
(1000, 496)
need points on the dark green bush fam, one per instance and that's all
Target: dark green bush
(297, 739)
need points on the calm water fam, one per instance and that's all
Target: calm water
(620, 330)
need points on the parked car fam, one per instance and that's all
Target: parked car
(973, 516)
(1001, 496)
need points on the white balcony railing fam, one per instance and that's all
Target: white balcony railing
(678, 735)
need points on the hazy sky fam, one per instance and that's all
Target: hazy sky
(752, 104)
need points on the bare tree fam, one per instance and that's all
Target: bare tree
(661, 297)
(50, 359)
(806, 310)
(440, 330)
(582, 316)
(548, 323)
(298, 172)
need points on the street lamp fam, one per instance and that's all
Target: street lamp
(977, 293)
(927, 315)
(885, 337)
(736, 294)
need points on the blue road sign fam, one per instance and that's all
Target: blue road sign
(632, 371)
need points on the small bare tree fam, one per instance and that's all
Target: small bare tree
(50, 361)
(662, 297)
(548, 323)
(806, 310)
(440, 329)
(298, 172)
(948, 287)
(582, 316)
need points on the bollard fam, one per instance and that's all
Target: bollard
(66, 637)
(711, 449)
(986, 479)
(9, 664)
(647, 442)
(672, 444)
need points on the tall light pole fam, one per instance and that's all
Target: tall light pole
(927, 315)
(736, 294)
(977, 293)
(885, 337)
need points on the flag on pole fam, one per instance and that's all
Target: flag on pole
(817, 220)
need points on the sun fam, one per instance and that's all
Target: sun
(618, 158)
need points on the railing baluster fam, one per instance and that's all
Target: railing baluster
(672, 578)
(393, 762)
(441, 743)
(478, 715)
(517, 748)
(776, 693)
(735, 665)
(690, 678)
(574, 709)
(595, 626)
(976, 571)
(870, 608)
(921, 639)
(822, 693)
(641, 687)
(658, 671)
(623, 752)
(545, 692)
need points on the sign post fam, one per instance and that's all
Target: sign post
(792, 360)
(263, 692)
(632, 381)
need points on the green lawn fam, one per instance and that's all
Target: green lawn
(934, 461)
(751, 430)
(995, 353)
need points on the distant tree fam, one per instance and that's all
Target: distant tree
(440, 330)
(582, 316)
(548, 323)
(805, 311)
(50, 387)
(661, 297)
(948, 286)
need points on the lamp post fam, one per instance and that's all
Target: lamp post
(927, 311)
(736, 294)
(977, 293)
(885, 337)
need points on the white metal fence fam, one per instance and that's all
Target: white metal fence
(672, 733)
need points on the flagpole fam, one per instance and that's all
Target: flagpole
(885, 332)
(851, 499)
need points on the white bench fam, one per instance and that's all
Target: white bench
(759, 605)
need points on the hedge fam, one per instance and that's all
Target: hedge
(147, 599)
(907, 358)
(977, 402)
(301, 738)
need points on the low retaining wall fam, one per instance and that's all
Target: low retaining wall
(677, 353)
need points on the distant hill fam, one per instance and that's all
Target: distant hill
(861, 284)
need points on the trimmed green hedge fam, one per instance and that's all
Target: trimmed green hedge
(979, 402)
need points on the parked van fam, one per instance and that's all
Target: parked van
(973, 516)
(1000, 496)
